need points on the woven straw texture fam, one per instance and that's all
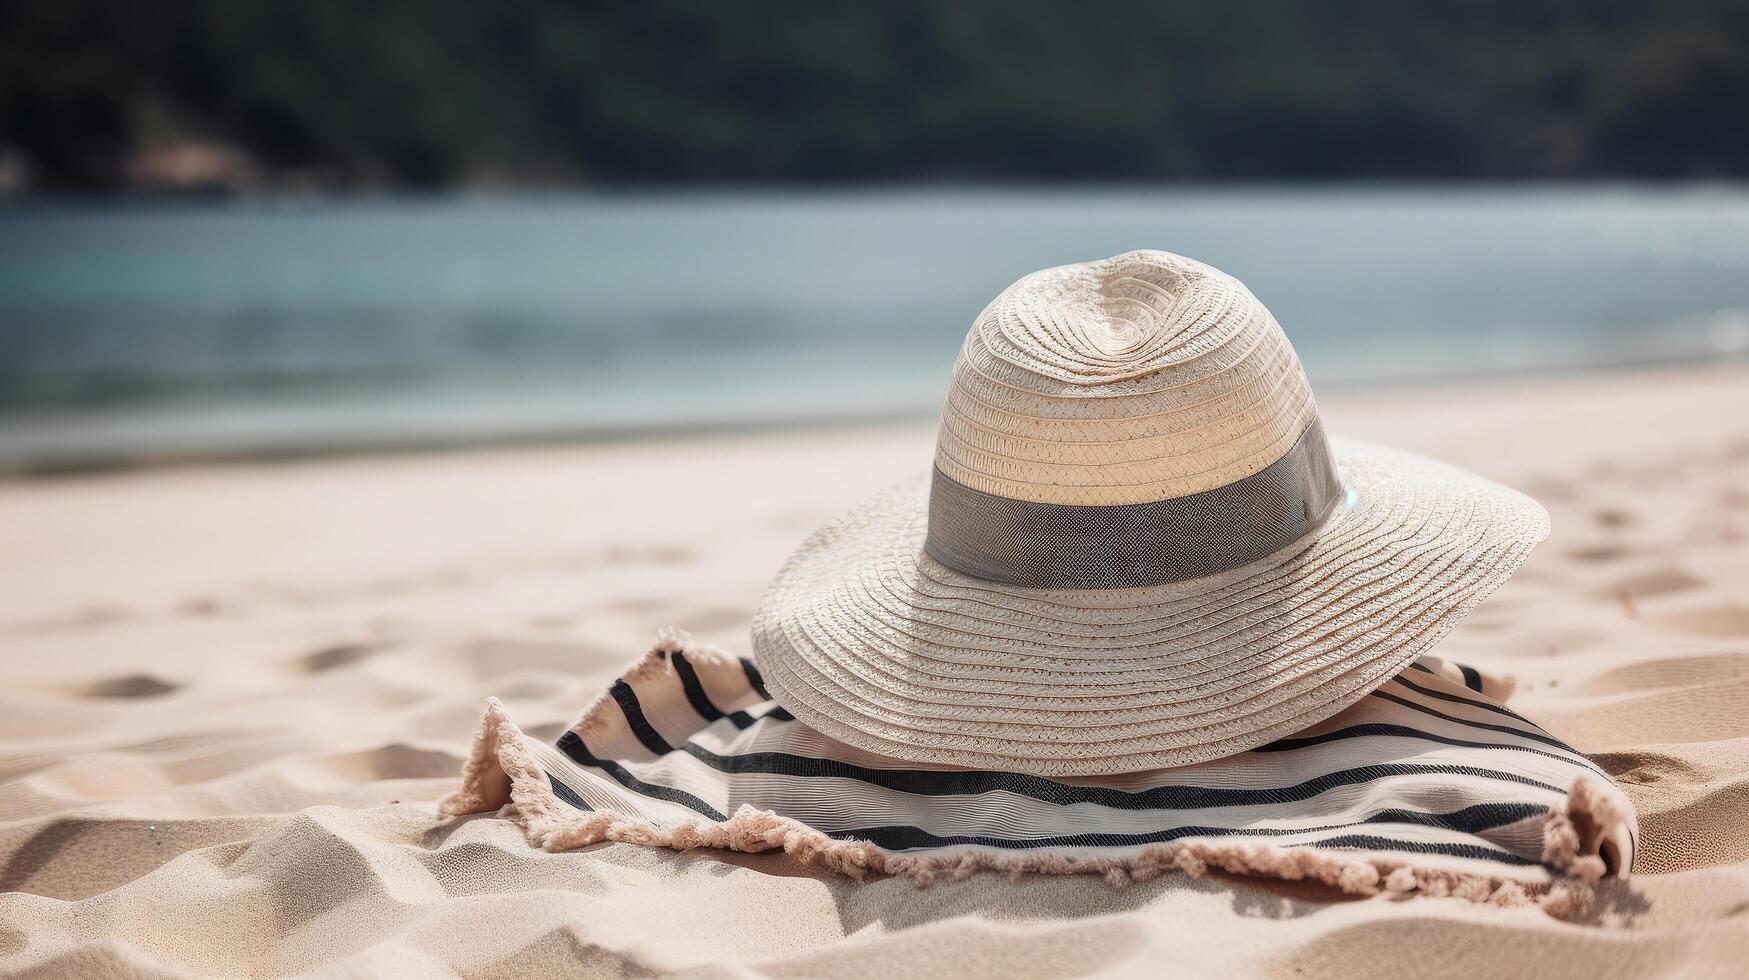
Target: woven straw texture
(1142, 378)
(1138, 378)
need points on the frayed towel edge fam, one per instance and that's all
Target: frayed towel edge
(501, 770)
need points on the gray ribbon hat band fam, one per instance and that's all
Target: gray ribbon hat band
(1062, 546)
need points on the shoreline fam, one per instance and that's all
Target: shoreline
(1465, 384)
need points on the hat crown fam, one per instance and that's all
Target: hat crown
(1140, 378)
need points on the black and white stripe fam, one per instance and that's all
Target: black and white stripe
(1428, 764)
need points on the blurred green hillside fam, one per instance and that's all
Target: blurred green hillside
(109, 94)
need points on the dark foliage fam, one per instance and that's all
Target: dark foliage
(398, 92)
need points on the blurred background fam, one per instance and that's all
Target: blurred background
(277, 228)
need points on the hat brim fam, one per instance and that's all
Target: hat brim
(869, 640)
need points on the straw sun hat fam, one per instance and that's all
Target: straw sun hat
(1137, 549)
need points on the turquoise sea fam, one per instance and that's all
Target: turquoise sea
(143, 329)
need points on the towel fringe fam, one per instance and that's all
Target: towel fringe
(502, 770)
(655, 664)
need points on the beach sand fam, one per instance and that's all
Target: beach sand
(232, 695)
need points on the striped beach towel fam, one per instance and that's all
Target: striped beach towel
(1428, 785)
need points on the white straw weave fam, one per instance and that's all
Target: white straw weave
(1141, 378)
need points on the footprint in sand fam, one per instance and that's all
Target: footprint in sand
(203, 607)
(1663, 581)
(1653, 675)
(1598, 554)
(1643, 767)
(339, 655)
(1709, 621)
(127, 686)
(396, 760)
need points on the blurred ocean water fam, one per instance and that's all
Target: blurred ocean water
(143, 329)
